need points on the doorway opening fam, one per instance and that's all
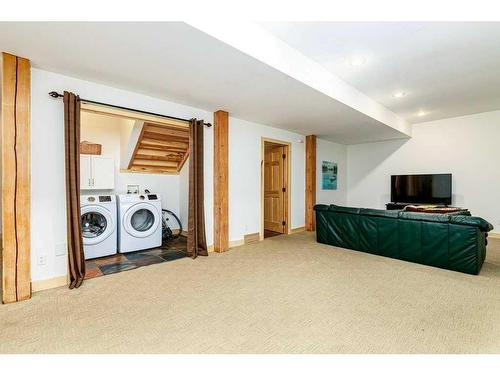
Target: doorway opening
(132, 209)
(275, 188)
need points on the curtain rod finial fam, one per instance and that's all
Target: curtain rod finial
(54, 94)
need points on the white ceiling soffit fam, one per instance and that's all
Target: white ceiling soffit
(446, 69)
(175, 61)
(255, 41)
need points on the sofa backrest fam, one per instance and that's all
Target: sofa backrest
(439, 218)
(472, 221)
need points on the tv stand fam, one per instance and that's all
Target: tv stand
(396, 206)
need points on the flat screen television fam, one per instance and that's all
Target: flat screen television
(421, 188)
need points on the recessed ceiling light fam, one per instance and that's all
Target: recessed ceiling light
(421, 113)
(357, 61)
(399, 94)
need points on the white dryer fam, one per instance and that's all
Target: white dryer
(98, 222)
(140, 222)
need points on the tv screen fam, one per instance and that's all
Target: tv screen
(421, 188)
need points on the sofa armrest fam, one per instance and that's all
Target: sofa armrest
(473, 221)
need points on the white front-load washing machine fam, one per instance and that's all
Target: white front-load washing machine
(139, 222)
(98, 222)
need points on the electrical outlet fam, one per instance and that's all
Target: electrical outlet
(41, 260)
(60, 249)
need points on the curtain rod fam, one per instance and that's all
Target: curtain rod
(56, 95)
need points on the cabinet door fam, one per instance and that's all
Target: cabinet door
(103, 172)
(85, 172)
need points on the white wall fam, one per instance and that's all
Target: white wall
(48, 207)
(113, 134)
(467, 147)
(244, 176)
(336, 153)
(48, 211)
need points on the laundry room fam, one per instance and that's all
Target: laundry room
(133, 190)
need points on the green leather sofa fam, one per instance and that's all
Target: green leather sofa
(453, 242)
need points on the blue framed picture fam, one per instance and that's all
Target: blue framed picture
(329, 178)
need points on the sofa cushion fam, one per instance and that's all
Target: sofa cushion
(368, 234)
(388, 236)
(435, 249)
(410, 244)
(339, 227)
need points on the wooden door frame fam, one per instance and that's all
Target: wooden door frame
(288, 152)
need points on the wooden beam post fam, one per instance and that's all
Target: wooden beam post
(221, 166)
(310, 182)
(16, 85)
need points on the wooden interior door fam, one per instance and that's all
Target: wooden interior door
(274, 188)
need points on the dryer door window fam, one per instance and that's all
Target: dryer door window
(93, 224)
(142, 220)
(96, 223)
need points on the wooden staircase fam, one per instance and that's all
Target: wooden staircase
(160, 148)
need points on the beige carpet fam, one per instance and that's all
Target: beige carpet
(286, 294)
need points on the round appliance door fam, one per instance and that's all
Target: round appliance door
(96, 223)
(141, 220)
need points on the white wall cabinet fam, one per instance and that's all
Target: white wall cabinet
(85, 174)
(97, 172)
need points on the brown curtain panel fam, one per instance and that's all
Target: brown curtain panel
(72, 158)
(196, 240)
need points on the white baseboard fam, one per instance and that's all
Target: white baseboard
(39, 285)
(241, 241)
(236, 243)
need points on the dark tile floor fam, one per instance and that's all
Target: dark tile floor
(123, 262)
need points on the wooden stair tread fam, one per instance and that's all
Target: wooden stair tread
(160, 149)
